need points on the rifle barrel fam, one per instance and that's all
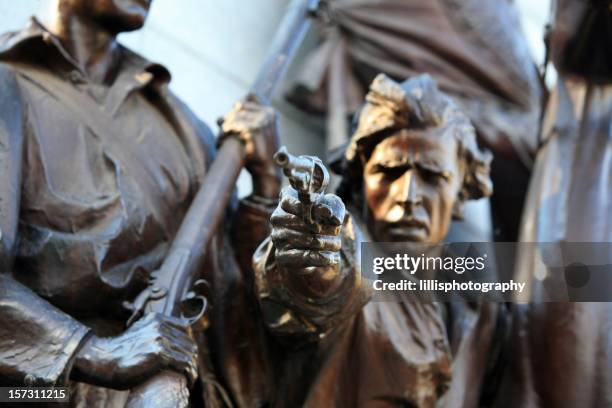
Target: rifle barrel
(183, 264)
(287, 40)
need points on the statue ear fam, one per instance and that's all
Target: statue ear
(458, 209)
(477, 182)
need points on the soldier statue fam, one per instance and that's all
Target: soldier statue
(99, 162)
(412, 163)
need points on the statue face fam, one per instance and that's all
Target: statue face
(411, 183)
(113, 15)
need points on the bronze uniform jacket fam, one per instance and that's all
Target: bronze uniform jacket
(562, 350)
(344, 350)
(81, 228)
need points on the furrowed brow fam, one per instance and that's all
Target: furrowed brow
(434, 168)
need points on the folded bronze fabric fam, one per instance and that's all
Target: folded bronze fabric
(474, 49)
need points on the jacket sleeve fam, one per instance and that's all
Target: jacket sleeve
(292, 313)
(37, 341)
(250, 227)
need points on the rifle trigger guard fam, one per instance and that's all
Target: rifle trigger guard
(195, 304)
(193, 311)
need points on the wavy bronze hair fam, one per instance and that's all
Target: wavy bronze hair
(414, 104)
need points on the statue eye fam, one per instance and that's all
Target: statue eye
(392, 173)
(434, 177)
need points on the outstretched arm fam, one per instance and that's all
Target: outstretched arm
(307, 281)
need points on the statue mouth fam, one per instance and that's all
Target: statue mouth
(408, 227)
(411, 222)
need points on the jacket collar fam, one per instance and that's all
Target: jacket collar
(135, 70)
(138, 72)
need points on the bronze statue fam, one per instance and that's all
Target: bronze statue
(412, 162)
(88, 212)
(474, 49)
(477, 53)
(560, 350)
(100, 162)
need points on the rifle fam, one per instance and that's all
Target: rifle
(175, 283)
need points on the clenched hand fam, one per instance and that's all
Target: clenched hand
(309, 252)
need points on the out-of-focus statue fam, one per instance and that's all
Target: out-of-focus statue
(412, 162)
(561, 351)
(99, 162)
(474, 49)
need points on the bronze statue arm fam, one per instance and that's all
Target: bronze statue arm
(251, 226)
(37, 341)
(11, 150)
(306, 279)
(307, 304)
(255, 124)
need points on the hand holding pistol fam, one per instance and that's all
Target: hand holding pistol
(306, 225)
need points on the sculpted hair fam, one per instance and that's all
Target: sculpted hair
(414, 104)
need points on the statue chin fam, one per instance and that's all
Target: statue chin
(410, 236)
(125, 22)
(403, 234)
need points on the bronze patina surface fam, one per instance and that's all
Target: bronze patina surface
(99, 162)
(412, 162)
(561, 351)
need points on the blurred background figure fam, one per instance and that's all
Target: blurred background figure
(561, 351)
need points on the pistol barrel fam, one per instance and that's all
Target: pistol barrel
(281, 158)
(287, 161)
(307, 174)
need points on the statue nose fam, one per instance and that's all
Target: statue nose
(410, 190)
